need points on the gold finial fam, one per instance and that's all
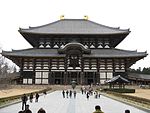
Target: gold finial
(62, 17)
(86, 17)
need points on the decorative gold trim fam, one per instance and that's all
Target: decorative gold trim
(86, 17)
(62, 17)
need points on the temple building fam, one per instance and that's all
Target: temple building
(73, 49)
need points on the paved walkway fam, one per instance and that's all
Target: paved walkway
(55, 103)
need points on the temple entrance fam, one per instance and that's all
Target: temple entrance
(90, 81)
(90, 78)
(57, 81)
(57, 77)
(73, 76)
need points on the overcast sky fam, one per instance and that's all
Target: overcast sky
(133, 14)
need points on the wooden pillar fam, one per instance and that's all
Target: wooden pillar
(65, 73)
(99, 70)
(97, 73)
(136, 81)
(50, 73)
(125, 66)
(34, 66)
(113, 60)
(21, 70)
(77, 77)
(64, 78)
(82, 78)
(94, 80)
(82, 72)
(90, 64)
(69, 75)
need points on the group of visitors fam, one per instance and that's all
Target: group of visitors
(65, 94)
(27, 110)
(89, 91)
(25, 106)
(69, 93)
(41, 110)
(96, 94)
(36, 97)
(24, 99)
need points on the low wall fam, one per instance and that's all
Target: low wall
(17, 98)
(133, 99)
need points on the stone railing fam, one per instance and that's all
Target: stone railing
(17, 98)
(133, 100)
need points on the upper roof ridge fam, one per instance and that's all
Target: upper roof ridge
(74, 26)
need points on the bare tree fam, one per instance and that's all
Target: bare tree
(6, 66)
(1, 65)
(12, 69)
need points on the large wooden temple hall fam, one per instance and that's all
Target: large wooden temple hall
(73, 49)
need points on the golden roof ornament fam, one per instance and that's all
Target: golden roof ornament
(86, 17)
(62, 17)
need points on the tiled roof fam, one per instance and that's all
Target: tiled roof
(101, 53)
(74, 26)
(118, 78)
(115, 53)
(33, 52)
(139, 76)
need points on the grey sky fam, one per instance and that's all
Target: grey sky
(133, 14)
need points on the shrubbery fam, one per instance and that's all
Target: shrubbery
(120, 90)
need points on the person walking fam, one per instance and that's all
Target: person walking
(24, 99)
(70, 94)
(98, 109)
(74, 94)
(87, 95)
(31, 97)
(67, 93)
(20, 112)
(99, 95)
(63, 93)
(127, 111)
(27, 110)
(41, 110)
(36, 97)
(82, 90)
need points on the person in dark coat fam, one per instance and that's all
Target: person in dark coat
(63, 93)
(20, 112)
(27, 110)
(87, 95)
(41, 110)
(127, 111)
(98, 109)
(67, 93)
(99, 95)
(74, 94)
(70, 93)
(82, 90)
(31, 97)
(36, 97)
(24, 99)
